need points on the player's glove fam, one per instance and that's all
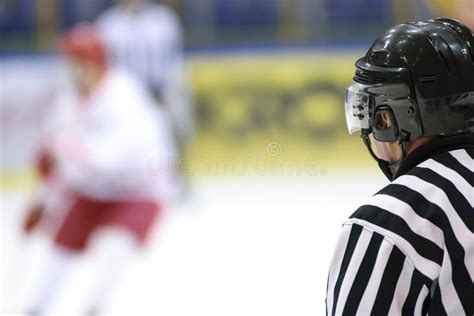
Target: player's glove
(44, 164)
(32, 219)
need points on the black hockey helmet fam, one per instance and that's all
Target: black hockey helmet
(421, 75)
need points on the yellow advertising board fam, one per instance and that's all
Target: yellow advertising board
(267, 111)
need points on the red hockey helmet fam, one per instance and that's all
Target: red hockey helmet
(83, 43)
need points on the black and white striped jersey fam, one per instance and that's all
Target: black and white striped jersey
(410, 249)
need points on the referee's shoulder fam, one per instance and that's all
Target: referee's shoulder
(424, 198)
(454, 166)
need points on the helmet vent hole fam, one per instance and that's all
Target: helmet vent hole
(365, 77)
(427, 78)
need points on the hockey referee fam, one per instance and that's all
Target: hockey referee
(410, 249)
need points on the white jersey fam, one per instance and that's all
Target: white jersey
(115, 144)
(148, 43)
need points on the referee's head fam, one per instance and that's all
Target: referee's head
(415, 84)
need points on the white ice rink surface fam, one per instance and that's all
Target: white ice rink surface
(248, 247)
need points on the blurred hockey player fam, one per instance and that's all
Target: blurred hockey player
(96, 155)
(146, 38)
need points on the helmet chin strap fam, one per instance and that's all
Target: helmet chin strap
(384, 165)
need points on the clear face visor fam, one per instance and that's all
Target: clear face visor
(357, 108)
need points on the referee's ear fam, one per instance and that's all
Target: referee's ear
(382, 121)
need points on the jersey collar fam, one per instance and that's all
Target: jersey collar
(434, 147)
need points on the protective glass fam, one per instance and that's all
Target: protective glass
(357, 108)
